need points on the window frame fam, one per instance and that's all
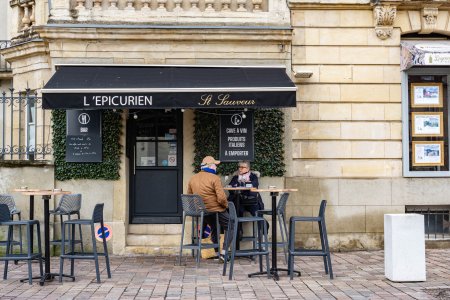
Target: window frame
(406, 139)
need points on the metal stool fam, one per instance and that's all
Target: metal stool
(281, 216)
(5, 220)
(68, 205)
(324, 251)
(234, 221)
(194, 207)
(9, 201)
(97, 217)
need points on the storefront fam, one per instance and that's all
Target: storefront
(154, 97)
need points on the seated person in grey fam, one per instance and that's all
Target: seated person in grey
(250, 201)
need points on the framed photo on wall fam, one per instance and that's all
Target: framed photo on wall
(426, 94)
(427, 124)
(428, 153)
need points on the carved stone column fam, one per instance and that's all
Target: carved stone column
(177, 7)
(257, 5)
(209, 5)
(429, 19)
(80, 5)
(31, 6)
(194, 5)
(241, 5)
(226, 5)
(145, 5)
(129, 6)
(161, 5)
(97, 5)
(26, 18)
(113, 5)
(384, 16)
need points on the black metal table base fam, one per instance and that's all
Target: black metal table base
(47, 277)
(274, 273)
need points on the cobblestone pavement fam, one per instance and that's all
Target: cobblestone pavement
(358, 275)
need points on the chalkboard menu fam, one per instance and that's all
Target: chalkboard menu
(84, 136)
(236, 137)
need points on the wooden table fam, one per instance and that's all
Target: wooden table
(46, 195)
(274, 192)
(31, 199)
(237, 204)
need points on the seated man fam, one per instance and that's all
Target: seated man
(208, 185)
(250, 201)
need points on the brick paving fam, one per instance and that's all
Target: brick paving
(358, 275)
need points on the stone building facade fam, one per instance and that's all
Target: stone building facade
(345, 139)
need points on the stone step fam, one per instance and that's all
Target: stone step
(154, 229)
(153, 240)
(151, 250)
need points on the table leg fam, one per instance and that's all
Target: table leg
(31, 217)
(274, 269)
(237, 203)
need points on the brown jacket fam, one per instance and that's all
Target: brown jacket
(209, 187)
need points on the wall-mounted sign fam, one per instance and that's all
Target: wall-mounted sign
(84, 136)
(236, 137)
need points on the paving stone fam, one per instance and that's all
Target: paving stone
(358, 275)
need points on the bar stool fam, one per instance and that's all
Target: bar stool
(97, 217)
(69, 204)
(5, 220)
(194, 207)
(324, 251)
(281, 217)
(9, 201)
(234, 221)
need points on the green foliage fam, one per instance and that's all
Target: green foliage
(108, 169)
(268, 136)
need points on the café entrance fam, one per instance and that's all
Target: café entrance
(154, 147)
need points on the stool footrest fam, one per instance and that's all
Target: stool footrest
(19, 256)
(250, 252)
(204, 246)
(81, 255)
(307, 252)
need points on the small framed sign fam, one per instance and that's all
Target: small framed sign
(426, 94)
(428, 153)
(427, 124)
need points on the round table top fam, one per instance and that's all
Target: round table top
(238, 188)
(274, 190)
(46, 192)
(21, 190)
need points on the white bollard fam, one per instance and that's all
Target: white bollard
(404, 247)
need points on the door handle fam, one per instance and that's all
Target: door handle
(134, 160)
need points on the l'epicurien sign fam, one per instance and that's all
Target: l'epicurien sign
(168, 100)
(236, 137)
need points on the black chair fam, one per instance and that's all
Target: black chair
(324, 251)
(194, 207)
(281, 217)
(97, 217)
(5, 220)
(69, 204)
(258, 222)
(9, 201)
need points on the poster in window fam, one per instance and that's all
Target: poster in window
(426, 94)
(428, 153)
(427, 124)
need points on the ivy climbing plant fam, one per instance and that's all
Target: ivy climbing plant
(268, 138)
(109, 167)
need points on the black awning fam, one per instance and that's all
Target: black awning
(115, 86)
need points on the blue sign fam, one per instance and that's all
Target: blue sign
(99, 235)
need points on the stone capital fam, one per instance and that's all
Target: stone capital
(384, 16)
